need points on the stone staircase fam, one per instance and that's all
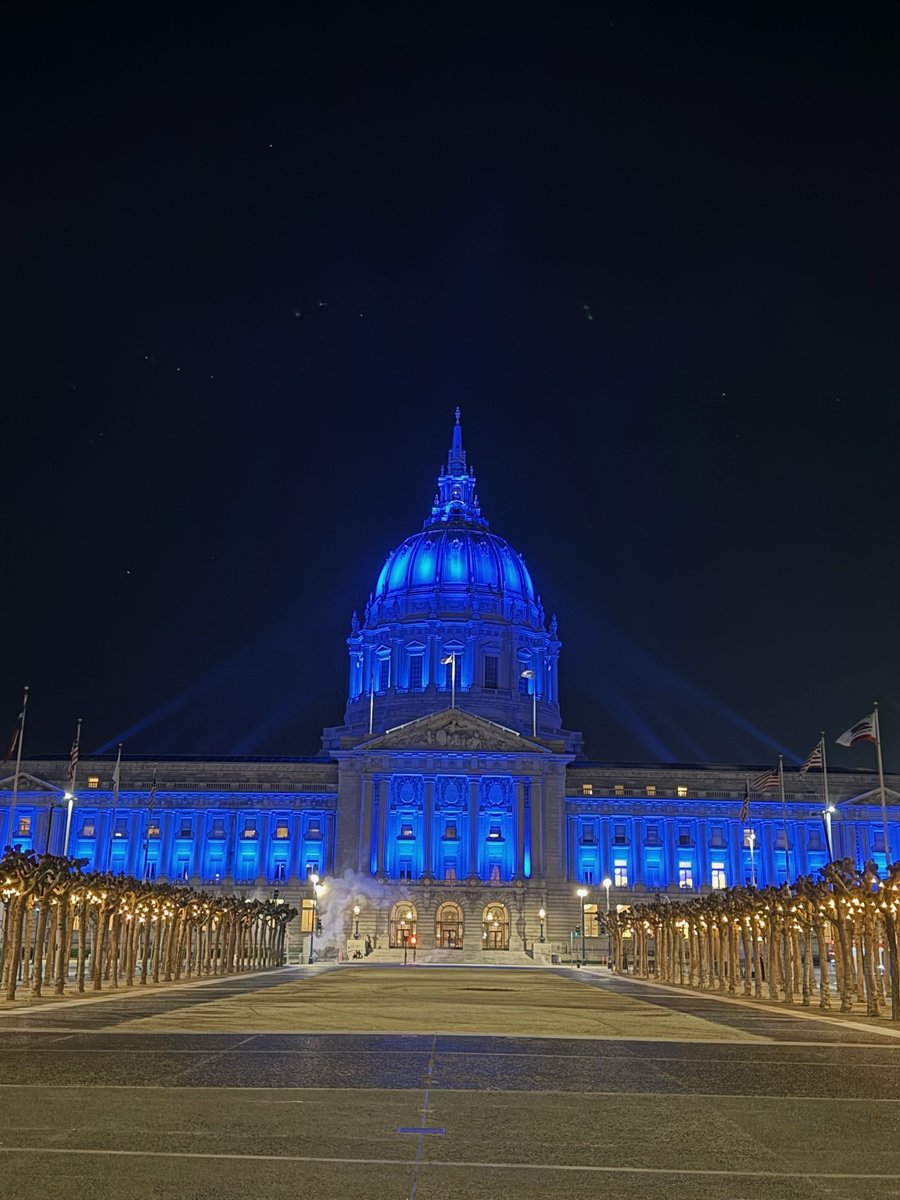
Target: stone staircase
(458, 958)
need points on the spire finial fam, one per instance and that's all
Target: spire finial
(458, 414)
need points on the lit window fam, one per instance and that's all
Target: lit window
(587, 789)
(93, 781)
(307, 916)
(591, 921)
(153, 829)
(250, 827)
(406, 830)
(494, 832)
(281, 828)
(491, 664)
(681, 791)
(415, 671)
(384, 674)
(495, 872)
(620, 873)
(450, 872)
(88, 828)
(121, 828)
(650, 789)
(24, 829)
(619, 789)
(450, 830)
(718, 875)
(685, 875)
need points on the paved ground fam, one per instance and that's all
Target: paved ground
(670, 1091)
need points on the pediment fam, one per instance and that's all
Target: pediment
(453, 729)
(27, 783)
(891, 798)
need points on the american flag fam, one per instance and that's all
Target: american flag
(152, 791)
(745, 807)
(814, 761)
(762, 783)
(14, 740)
(73, 753)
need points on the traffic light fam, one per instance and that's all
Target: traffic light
(318, 927)
(412, 939)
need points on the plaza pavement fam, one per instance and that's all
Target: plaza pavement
(442, 1082)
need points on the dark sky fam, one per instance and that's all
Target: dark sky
(652, 254)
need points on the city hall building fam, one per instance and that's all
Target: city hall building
(451, 802)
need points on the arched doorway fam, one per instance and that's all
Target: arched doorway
(496, 927)
(402, 924)
(448, 927)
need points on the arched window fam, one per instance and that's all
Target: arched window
(448, 927)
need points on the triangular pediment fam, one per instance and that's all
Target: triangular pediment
(891, 798)
(454, 729)
(27, 783)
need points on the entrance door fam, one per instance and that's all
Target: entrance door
(448, 927)
(496, 927)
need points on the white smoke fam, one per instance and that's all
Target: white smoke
(335, 908)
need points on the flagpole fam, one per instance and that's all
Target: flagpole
(152, 797)
(72, 774)
(887, 845)
(115, 805)
(751, 838)
(828, 834)
(784, 824)
(15, 794)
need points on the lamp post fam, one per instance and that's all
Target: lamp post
(356, 915)
(827, 813)
(318, 889)
(450, 660)
(542, 915)
(751, 841)
(582, 893)
(529, 674)
(70, 802)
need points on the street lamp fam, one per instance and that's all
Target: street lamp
(828, 813)
(318, 889)
(529, 674)
(356, 915)
(542, 913)
(67, 796)
(607, 883)
(582, 893)
(450, 660)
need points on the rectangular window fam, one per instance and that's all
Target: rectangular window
(88, 828)
(282, 829)
(93, 781)
(279, 873)
(781, 840)
(650, 789)
(450, 872)
(307, 916)
(684, 835)
(312, 868)
(620, 873)
(121, 828)
(406, 830)
(587, 875)
(495, 833)
(182, 867)
(652, 874)
(685, 875)
(217, 827)
(24, 829)
(491, 663)
(619, 837)
(406, 868)
(591, 921)
(249, 827)
(681, 791)
(587, 789)
(716, 834)
(450, 831)
(151, 870)
(619, 789)
(587, 834)
(719, 879)
(314, 828)
(878, 842)
(153, 828)
(415, 671)
(495, 872)
(384, 674)
(651, 836)
(186, 827)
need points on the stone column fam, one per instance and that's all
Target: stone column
(364, 832)
(382, 811)
(637, 850)
(519, 865)
(428, 800)
(472, 864)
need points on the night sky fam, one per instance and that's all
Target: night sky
(255, 258)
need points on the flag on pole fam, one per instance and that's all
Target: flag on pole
(762, 783)
(14, 740)
(814, 760)
(73, 753)
(865, 730)
(152, 790)
(116, 775)
(745, 807)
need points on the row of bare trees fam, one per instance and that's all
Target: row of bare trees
(775, 943)
(122, 930)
